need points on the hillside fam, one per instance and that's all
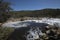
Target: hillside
(37, 13)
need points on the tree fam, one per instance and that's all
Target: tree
(4, 11)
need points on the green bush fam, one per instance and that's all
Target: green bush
(5, 32)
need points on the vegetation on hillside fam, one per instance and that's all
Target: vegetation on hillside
(37, 13)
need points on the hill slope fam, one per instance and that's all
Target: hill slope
(37, 13)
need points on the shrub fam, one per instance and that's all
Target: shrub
(5, 32)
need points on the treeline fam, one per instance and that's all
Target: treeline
(37, 13)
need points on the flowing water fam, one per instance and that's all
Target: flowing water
(35, 26)
(25, 23)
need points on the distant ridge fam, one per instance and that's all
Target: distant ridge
(48, 12)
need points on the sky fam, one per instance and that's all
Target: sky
(33, 4)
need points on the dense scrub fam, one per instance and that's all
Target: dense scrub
(5, 32)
